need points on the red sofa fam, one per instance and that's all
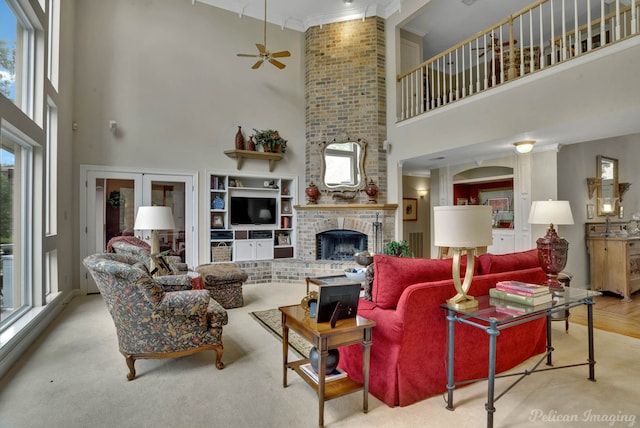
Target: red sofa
(409, 348)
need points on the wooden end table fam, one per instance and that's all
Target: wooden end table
(323, 337)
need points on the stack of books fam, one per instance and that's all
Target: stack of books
(521, 292)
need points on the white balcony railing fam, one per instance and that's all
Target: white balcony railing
(545, 33)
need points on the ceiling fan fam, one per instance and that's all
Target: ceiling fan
(263, 53)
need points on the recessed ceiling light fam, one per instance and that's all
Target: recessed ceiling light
(468, 2)
(351, 1)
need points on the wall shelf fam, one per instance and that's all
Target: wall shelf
(241, 155)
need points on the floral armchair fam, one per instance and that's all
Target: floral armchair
(152, 322)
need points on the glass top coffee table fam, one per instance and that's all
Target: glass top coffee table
(493, 315)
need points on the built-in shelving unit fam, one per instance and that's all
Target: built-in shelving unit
(269, 237)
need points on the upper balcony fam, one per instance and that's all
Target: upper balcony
(544, 34)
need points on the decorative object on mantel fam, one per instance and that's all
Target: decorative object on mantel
(372, 191)
(312, 192)
(622, 189)
(270, 140)
(239, 139)
(552, 249)
(251, 145)
(592, 185)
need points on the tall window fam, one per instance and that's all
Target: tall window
(17, 40)
(51, 190)
(54, 42)
(16, 163)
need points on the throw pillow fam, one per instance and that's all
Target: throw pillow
(496, 263)
(368, 282)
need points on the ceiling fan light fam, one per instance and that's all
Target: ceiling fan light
(524, 146)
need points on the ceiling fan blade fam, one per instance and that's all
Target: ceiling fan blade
(281, 54)
(481, 55)
(261, 48)
(277, 63)
(257, 64)
(248, 55)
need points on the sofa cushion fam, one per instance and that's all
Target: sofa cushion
(496, 263)
(393, 274)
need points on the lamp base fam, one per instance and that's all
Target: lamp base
(552, 255)
(462, 302)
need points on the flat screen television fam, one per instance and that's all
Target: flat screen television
(252, 210)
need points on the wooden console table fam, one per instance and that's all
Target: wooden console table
(323, 337)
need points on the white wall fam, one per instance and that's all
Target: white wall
(168, 73)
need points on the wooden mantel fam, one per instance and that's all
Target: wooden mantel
(241, 155)
(329, 207)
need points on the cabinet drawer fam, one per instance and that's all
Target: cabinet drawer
(633, 247)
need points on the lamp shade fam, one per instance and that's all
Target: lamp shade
(550, 212)
(462, 226)
(154, 218)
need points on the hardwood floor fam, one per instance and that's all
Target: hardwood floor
(610, 313)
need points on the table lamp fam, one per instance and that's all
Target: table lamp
(154, 219)
(462, 228)
(552, 249)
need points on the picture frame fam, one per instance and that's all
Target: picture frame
(286, 207)
(498, 204)
(217, 221)
(591, 210)
(284, 239)
(409, 209)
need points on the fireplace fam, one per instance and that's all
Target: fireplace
(339, 244)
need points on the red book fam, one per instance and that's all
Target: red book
(522, 288)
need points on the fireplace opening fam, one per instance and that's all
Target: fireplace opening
(340, 244)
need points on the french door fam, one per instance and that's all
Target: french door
(111, 200)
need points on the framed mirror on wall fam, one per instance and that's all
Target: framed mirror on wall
(607, 172)
(343, 165)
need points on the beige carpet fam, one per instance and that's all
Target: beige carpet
(74, 377)
(271, 320)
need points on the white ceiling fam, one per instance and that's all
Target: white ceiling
(301, 14)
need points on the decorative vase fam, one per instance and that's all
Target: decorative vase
(332, 360)
(251, 145)
(217, 203)
(239, 139)
(372, 191)
(312, 192)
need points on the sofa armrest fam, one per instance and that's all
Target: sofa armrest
(188, 303)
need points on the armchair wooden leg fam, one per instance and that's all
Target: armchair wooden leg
(130, 363)
(219, 363)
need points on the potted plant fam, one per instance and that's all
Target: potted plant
(398, 248)
(270, 140)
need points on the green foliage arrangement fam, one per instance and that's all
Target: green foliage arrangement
(398, 248)
(269, 139)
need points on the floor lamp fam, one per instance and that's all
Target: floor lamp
(462, 228)
(552, 249)
(154, 219)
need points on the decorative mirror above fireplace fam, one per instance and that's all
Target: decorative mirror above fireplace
(343, 165)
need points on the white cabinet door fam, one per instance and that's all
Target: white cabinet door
(504, 241)
(244, 250)
(264, 249)
(253, 249)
